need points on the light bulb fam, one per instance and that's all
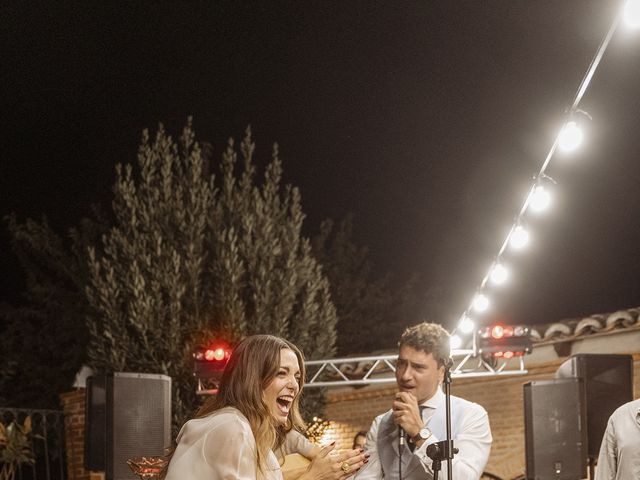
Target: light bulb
(540, 199)
(632, 13)
(570, 136)
(467, 325)
(480, 302)
(519, 237)
(498, 274)
(455, 342)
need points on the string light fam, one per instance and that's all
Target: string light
(519, 238)
(538, 198)
(632, 13)
(570, 136)
(455, 342)
(499, 274)
(480, 303)
(467, 325)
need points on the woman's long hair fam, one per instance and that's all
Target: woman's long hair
(254, 363)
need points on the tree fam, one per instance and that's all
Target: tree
(372, 310)
(191, 257)
(42, 340)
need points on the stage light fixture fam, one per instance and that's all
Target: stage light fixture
(504, 341)
(210, 361)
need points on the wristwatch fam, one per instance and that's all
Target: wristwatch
(423, 434)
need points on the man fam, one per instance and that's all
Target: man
(423, 353)
(619, 456)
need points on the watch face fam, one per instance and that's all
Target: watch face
(425, 433)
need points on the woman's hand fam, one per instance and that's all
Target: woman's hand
(329, 465)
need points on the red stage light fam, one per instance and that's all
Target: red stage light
(497, 331)
(504, 341)
(210, 362)
(216, 354)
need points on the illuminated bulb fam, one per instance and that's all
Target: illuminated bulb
(497, 332)
(570, 136)
(499, 274)
(480, 302)
(218, 354)
(519, 237)
(467, 325)
(455, 342)
(540, 199)
(632, 13)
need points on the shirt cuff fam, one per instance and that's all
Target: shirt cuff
(421, 451)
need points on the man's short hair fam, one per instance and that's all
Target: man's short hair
(428, 338)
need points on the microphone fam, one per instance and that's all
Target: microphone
(448, 362)
(400, 452)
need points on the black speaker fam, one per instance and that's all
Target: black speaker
(128, 415)
(608, 381)
(95, 423)
(555, 434)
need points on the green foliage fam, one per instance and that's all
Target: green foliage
(15, 447)
(191, 256)
(42, 342)
(372, 311)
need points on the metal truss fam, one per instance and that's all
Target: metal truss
(341, 372)
(381, 369)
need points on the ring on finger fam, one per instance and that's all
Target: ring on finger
(345, 467)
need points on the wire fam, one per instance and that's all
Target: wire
(582, 89)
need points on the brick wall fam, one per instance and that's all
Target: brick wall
(73, 407)
(353, 409)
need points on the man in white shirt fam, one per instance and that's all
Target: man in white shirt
(619, 457)
(419, 410)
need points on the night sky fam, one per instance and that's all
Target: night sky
(426, 119)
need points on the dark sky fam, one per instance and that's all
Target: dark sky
(425, 119)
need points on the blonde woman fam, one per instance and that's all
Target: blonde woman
(236, 432)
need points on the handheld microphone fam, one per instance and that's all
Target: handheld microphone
(400, 448)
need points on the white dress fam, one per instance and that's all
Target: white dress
(219, 446)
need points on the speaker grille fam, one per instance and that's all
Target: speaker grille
(555, 436)
(138, 420)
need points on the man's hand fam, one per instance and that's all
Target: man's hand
(406, 413)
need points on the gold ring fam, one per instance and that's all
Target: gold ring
(345, 467)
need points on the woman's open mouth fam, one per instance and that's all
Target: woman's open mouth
(284, 403)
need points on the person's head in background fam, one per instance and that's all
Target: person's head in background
(359, 440)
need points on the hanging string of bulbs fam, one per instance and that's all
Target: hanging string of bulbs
(538, 198)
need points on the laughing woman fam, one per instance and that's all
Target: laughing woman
(236, 432)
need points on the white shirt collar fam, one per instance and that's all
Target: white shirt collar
(435, 401)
